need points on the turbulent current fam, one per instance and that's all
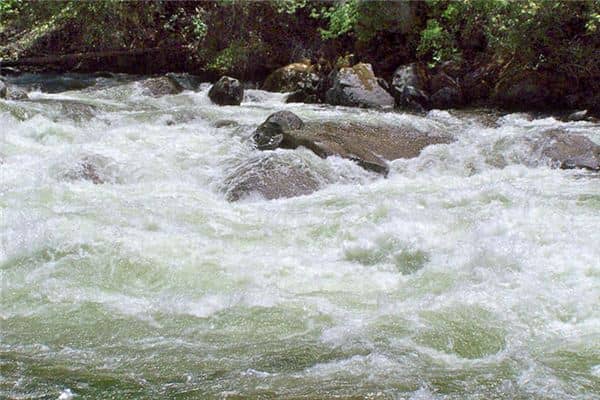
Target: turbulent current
(470, 272)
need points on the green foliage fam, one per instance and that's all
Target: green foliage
(199, 27)
(436, 43)
(235, 58)
(557, 35)
(9, 8)
(289, 6)
(536, 34)
(341, 18)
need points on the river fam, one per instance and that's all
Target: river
(470, 272)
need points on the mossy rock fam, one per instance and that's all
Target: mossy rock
(358, 86)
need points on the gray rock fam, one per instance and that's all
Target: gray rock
(271, 176)
(185, 80)
(70, 109)
(226, 91)
(358, 86)
(269, 134)
(568, 150)
(2, 89)
(370, 146)
(161, 86)
(409, 88)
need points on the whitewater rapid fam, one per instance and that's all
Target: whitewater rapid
(470, 272)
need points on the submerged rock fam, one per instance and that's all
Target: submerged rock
(568, 150)
(162, 85)
(70, 109)
(410, 88)
(370, 146)
(554, 147)
(271, 176)
(226, 91)
(16, 93)
(224, 123)
(358, 86)
(94, 168)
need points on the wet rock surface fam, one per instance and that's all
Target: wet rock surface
(161, 86)
(226, 91)
(569, 150)
(185, 80)
(225, 123)
(270, 176)
(70, 109)
(370, 146)
(555, 147)
(269, 134)
(358, 86)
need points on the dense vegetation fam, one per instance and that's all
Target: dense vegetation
(250, 39)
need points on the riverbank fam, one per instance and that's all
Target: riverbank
(544, 56)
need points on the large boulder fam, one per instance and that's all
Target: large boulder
(161, 86)
(568, 151)
(297, 78)
(269, 134)
(409, 87)
(358, 86)
(185, 80)
(370, 146)
(554, 147)
(226, 92)
(271, 176)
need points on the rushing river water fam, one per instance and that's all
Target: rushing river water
(471, 272)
